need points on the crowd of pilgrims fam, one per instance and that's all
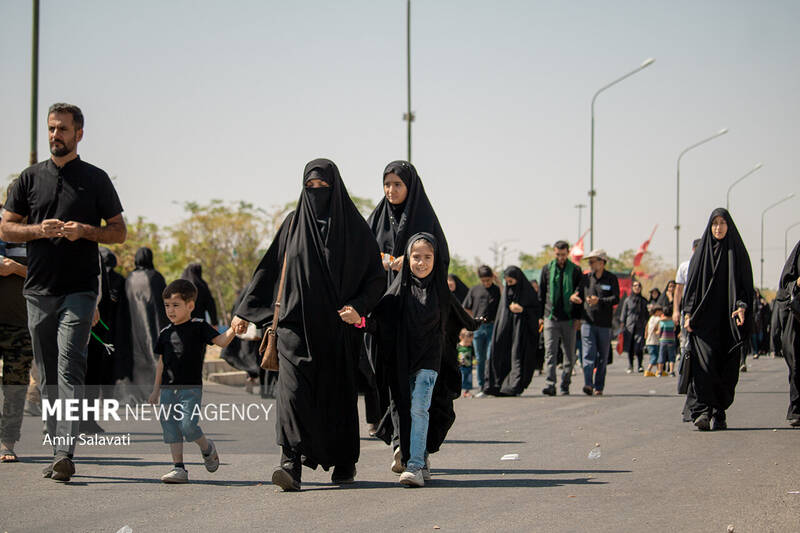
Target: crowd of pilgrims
(368, 308)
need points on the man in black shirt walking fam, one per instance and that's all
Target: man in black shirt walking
(65, 201)
(481, 302)
(599, 293)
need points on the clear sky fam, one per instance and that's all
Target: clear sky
(193, 100)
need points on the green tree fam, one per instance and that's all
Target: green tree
(226, 239)
(535, 262)
(468, 273)
(140, 233)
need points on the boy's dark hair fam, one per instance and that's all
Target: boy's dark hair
(183, 288)
(561, 245)
(75, 111)
(656, 309)
(485, 272)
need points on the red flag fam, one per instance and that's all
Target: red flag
(637, 259)
(576, 254)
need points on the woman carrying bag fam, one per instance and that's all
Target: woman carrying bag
(332, 274)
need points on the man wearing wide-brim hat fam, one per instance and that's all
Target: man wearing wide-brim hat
(599, 293)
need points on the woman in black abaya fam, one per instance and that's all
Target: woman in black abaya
(205, 307)
(143, 291)
(457, 287)
(333, 270)
(718, 290)
(405, 210)
(515, 337)
(789, 288)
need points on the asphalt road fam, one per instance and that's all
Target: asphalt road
(655, 473)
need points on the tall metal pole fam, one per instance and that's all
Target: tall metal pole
(409, 116)
(34, 82)
(592, 192)
(723, 131)
(728, 195)
(786, 239)
(763, 215)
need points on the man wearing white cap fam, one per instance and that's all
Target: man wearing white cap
(599, 293)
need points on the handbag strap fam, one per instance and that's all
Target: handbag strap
(280, 294)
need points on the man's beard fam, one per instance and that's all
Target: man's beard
(60, 149)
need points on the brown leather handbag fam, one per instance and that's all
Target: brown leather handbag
(269, 344)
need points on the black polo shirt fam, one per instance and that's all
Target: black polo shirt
(183, 349)
(77, 192)
(483, 302)
(606, 288)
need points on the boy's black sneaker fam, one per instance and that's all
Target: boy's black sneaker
(587, 390)
(63, 468)
(549, 391)
(564, 392)
(343, 475)
(718, 423)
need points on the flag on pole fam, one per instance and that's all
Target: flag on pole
(576, 254)
(637, 259)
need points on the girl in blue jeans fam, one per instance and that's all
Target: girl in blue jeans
(409, 324)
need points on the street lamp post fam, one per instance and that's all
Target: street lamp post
(728, 195)
(763, 213)
(592, 193)
(786, 239)
(723, 131)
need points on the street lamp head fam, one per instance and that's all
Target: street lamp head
(758, 166)
(647, 62)
(723, 131)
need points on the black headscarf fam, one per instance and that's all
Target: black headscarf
(393, 225)
(143, 260)
(205, 302)
(461, 288)
(316, 393)
(727, 260)
(514, 339)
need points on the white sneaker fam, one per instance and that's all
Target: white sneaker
(176, 475)
(212, 459)
(426, 470)
(397, 462)
(479, 395)
(412, 479)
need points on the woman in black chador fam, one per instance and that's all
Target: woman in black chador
(718, 291)
(143, 290)
(515, 337)
(205, 304)
(789, 288)
(333, 271)
(404, 210)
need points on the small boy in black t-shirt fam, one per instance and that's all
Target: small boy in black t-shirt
(181, 348)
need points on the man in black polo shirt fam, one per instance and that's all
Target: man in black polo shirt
(64, 200)
(599, 293)
(481, 302)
